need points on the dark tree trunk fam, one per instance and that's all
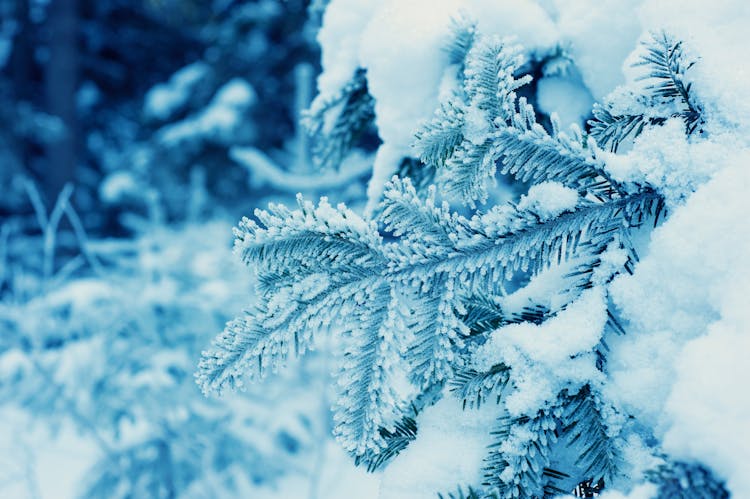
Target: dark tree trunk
(21, 58)
(61, 81)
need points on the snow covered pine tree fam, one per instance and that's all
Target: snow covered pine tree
(506, 308)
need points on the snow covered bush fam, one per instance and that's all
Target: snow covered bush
(107, 356)
(177, 140)
(521, 310)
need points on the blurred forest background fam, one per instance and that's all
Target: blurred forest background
(135, 134)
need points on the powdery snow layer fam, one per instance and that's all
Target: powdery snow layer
(548, 357)
(672, 163)
(549, 199)
(683, 368)
(448, 452)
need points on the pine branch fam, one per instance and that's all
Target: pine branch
(437, 333)
(667, 67)
(334, 286)
(668, 64)
(438, 139)
(463, 35)
(681, 480)
(519, 459)
(369, 407)
(320, 266)
(486, 124)
(403, 433)
(610, 130)
(585, 430)
(421, 223)
(489, 76)
(474, 387)
(485, 257)
(335, 123)
(468, 170)
(483, 314)
(529, 153)
(397, 304)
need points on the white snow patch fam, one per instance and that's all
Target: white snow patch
(681, 369)
(598, 36)
(449, 452)
(547, 357)
(667, 160)
(549, 199)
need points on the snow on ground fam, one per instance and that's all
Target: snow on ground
(37, 463)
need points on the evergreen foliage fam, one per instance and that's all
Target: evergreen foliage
(487, 123)
(335, 123)
(520, 456)
(682, 480)
(416, 291)
(667, 93)
(404, 432)
(586, 431)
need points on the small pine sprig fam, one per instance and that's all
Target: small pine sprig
(336, 122)
(473, 387)
(519, 459)
(586, 430)
(485, 123)
(683, 480)
(667, 94)
(610, 129)
(439, 138)
(667, 64)
(463, 33)
(530, 153)
(404, 432)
